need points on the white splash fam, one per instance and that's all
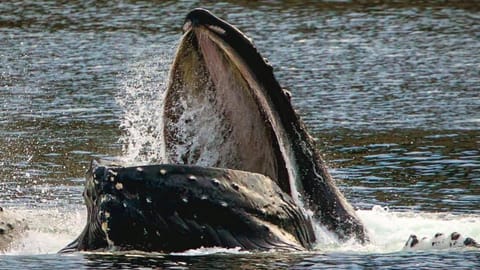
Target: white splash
(211, 250)
(142, 102)
(49, 230)
(52, 229)
(390, 230)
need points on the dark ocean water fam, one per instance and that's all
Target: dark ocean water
(390, 90)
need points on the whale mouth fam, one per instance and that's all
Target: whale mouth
(217, 112)
(224, 108)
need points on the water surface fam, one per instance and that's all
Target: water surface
(389, 89)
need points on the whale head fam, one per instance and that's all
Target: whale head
(225, 108)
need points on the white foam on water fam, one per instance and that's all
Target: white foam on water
(52, 229)
(49, 230)
(389, 230)
(210, 250)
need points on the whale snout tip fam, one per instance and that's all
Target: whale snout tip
(199, 16)
(195, 17)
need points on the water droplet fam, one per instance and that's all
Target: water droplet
(163, 171)
(148, 200)
(192, 178)
(185, 199)
(139, 169)
(224, 204)
(204, 197)
(124, 204)
(112, 178)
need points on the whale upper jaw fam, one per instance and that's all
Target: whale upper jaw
(217, 112)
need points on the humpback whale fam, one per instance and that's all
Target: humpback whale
(240, 167)
(439, 241)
